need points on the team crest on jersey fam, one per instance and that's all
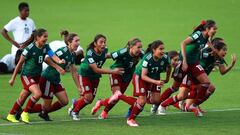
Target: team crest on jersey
(115, 55)
(162, 63)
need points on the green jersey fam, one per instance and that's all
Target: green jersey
(50, 73)
(154, 67)
(34, 58)
(193, 49)
(91, 58)
(208, 61)
(124, 60)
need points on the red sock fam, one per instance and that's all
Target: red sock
(170, 101)
(109, 106)
(176, 105)
(166, 94)
(127, 99)
(104, 102)
(56, 106)
(135, 111)
(16, 107)
(80, 104)
(31, 102)
(201, 93)
(36, 108)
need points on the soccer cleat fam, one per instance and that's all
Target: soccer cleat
(129, 112)
(75, 116)
(70, 109)
(44, 116)
(115, 96)
(202, 111)
(18, 114)
(153, 109)
(96, 107)
(25, 117)
(12, 118)
(103, 115)
(132, 123)
(161, 110)
(197, 112)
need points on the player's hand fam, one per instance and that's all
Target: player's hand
(62, 61)
(234, 59)
(11, 81)
(60, 70)
(159, 83)
(118, 71)
(16, 44)
(184, 66)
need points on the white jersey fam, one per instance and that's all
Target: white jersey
(9, 60)
(55, 45)
(21, 29)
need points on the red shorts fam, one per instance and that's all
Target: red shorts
(28, 81)
(88, 86)
(49, 89)
(116, 80)
(178, 74)
(195, 70)
(142, 88)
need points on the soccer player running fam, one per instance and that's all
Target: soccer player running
(32, 58)
(190, 57)
(126, 58)
(50, 81)
(22, 27)
(90, 73)
(146, 79)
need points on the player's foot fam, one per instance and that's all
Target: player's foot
(115, 96)
(197, 112)
(132, 123)
(153, 109)
(129, 112)
(75, 116)
(12, 118)
(70, 109)
(161, 110)
(18, 114)
(203, 111)
(44, 116)
(96, 107)
(103, 115)
(25, 117)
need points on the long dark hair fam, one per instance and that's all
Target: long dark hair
(39, 32)
(68, 37)
(217, 40)
(172, 54)
(155, 44)
(204, 25)
(96, 38)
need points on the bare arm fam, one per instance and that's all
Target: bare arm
(18, 67)
(6, 36)
(108, 56)
(57, 67)
(168, 73)
(105, 71)
(148, 79)
(223, 70)
(57, 59)
(183, 51)
(73, 70)
(27, 42)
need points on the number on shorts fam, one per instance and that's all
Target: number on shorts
(200, 67)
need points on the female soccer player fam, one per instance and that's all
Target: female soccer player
(90, 72)
(32, 58)
(126, 58)
(50, 81)
(146, 79)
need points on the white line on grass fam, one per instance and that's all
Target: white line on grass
(10, 134)
(112, 117)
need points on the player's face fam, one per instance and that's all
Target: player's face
(222, 53)
(136, 49)
(212, 31)
(75, 43)
(101, 44)
(159, 51)
(24, 12)
(42, 39)
(174, 61)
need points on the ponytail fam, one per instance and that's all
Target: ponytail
(204, 25)
(68, 37)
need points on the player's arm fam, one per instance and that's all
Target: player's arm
(108, 56)
(54, 65)
(183, 51)
(6, 36)
(55, 58)
(74, 73)
(16, 70)
(27, 42)
(106, 71)
(223, 70)
(148, 79)
(168, 73)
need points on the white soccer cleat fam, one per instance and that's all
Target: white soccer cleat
(132, 123)
(75, 116)
(161, 110)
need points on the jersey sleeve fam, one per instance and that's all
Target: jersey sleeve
(10, 26)
(118, 54)
(26, 53)
(89, 57)
(194, 36)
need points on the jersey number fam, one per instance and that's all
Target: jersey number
(40, 59)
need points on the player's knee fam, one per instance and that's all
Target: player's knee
(142, 101)
(65, 102)
(181, 96)
(89, 98)
(37, 95)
